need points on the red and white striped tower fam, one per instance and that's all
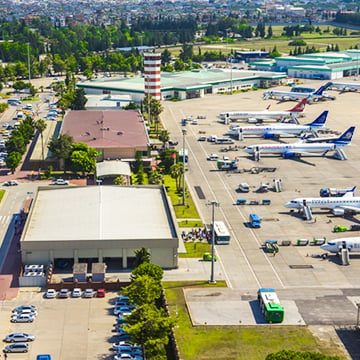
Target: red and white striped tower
(152, 62)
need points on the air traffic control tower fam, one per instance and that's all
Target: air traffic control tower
(152, 62)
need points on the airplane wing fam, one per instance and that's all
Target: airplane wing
(350, 208)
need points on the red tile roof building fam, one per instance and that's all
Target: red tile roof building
(116, 134)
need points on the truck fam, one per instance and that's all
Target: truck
(227, 165)
(326, 192)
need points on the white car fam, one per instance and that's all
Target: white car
(26, 312)
(88, 293)
(17, 318)
(244, 187)
(50, 294)
(76, 293)
(213, 157)
(59, 182)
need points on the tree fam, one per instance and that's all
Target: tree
(150, 327)
(142, 256)
(60, 147)
(148, 269)
(269, 32)
(16, 143)
(155, 177)
(176, 172)
(13, 160)
(164, 137)
(83, 158)
(297, 355)
(143, 290)
(40, 126)
(165, 57)
(79, 100)
(119, 180)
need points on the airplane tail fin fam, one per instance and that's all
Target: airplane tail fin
(320, 90)
(319, 121)
(350, 192)
(300, 107)
(346, 137)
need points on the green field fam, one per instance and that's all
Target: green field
(319, 40)
(235, 342)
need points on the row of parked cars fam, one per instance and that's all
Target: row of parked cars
(75, 293)
(19, 340)
(125, 350)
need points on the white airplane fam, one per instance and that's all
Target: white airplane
(264, 114)
(335, 246)
(337, 205)
(344, 86)
(301, 147)
(275, 130)
(293, 95)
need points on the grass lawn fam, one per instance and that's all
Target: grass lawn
(234, 342)
(190, 223)
(195, 249)
(187, 211)
(2, 193)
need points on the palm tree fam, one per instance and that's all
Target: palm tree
(40, 125)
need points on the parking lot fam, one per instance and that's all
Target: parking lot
(72, 328)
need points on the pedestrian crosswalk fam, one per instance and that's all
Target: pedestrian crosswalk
(4, 219)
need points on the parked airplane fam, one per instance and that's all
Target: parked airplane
(335, 246)
(344, 86)
(301, 147)
(264, 114)
(293, 95)
(337, 205)
(275, 130)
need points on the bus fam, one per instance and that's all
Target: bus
(270, 305)
(302, 89)
(183, 155)
(221, 233)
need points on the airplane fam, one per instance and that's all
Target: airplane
(335, 246)
(344, 86)
(301, 147)
(338, 205)
(264, 114)
(293, 95)
(275, 130)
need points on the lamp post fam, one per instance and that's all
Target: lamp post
(231, 78)
(28, 58)
(183, 160)
(213, 204)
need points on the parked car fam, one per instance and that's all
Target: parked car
(17, 318)
(122, 310)
(10, 183)
(100, 293)
(88, 293)
(63, 293)
(26, 312)
(24, 307)
(17, 347)
(59, 182)
(122, 301)
(127, 357)
(124, 343)
(19, 337)
(50, 294)
(43, 357)
(132, 350)
(213, 157)
(244, 187)
(202, 138)
(76, 293)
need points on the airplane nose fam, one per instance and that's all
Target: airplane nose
(289, 205)
(324, 247)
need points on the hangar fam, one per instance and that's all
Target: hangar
(100, 224)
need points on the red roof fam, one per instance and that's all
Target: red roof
(106, 128)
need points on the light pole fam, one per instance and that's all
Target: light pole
(213, 204)
(28, 58)
(231, 78)
(183, 160)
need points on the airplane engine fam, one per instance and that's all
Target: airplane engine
(289, 155)
(338, 212)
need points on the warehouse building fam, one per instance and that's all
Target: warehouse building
(103, 224)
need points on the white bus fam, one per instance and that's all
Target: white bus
(222, 235)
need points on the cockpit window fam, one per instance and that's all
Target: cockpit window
(331, 243)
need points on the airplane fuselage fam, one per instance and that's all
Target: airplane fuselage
(351, 202)
(334, 246)
(275, 129)
(296, 148)
(255, 114)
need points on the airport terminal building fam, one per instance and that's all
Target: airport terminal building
(185, 85)
(100, 224)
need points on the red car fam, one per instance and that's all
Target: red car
(100, 293)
